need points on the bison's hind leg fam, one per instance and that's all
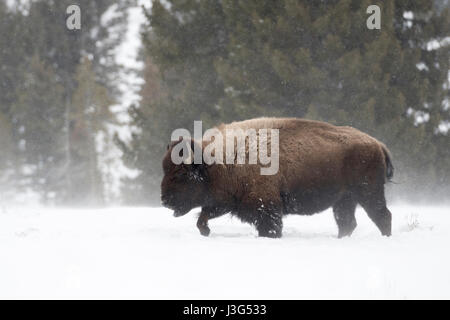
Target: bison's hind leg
(344, 214)
(202, 224)
(374, 203)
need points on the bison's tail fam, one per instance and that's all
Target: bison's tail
(389, 166)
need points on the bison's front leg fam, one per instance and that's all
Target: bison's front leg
(207, 214)
(269, 225)
(265, 214)
(202, 224)
(269, 222)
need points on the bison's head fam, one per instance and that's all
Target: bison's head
(184, 185)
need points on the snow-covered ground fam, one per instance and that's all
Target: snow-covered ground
(146, 253)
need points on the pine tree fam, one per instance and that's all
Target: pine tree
(184, 43)
(38, 118)
(6, 160)
(11, 55)
(6, 144)
(8, 76)
(150, 124)
(36, 42)
(89, 116)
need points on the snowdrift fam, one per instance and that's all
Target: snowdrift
(145, 253)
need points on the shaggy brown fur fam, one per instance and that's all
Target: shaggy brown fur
(320, 166)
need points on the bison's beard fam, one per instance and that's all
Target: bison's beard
(179, 212)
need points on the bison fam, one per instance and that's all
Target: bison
(320, 166)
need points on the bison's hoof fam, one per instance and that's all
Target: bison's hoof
(270, 234)
(204, 231)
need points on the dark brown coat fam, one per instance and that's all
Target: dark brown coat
(320, 166)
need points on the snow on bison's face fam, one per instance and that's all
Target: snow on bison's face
(184, 185)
